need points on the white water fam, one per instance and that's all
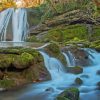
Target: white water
(60, 81)
(19, 24)
(4, 20)
(53, 65)
(70, 59)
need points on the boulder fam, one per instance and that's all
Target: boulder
(78, 81)
(69, 94)
(75, 70)
(98, 72)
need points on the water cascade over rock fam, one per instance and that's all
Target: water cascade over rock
(53, 65)
(69, 58)
(19, 24)
(87, 82)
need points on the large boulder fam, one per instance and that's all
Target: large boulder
(19, 66)
(69, 94)
(53, 50)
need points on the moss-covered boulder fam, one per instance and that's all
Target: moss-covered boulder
(19, 66)
(66, 33)
(53, 49)
(75, 70)
(78, 81)
(24, 60)
(96, 45)
(69, 94)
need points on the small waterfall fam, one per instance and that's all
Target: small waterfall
(93, 55)
(4, 20)
(19, 24)
(53, 65)
(70, 59)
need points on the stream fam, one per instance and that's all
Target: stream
(60, 80)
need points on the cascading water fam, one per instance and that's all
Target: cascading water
(70, 59)
(53, 65)
(60, 81)
(19, 24)
(4, 20)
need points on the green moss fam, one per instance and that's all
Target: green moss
(53, 50)
(62, 98)
(6, 83)
(78, 81)
(96, 35)
(32, 39)
(67, 33)
(19, 57)
(23, 60)
(6, 60)
(69, 94)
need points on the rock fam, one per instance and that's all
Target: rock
(98, 84)
(62, 98)
(1, 75)
(24, 60)
(69, 94)
(98, 72)
(50, 89)
(78, 81)
(75, 70)
(53, 49)
(84, 76)
(20, 66)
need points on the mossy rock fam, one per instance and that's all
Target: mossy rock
(69, 94)
(20, 66)
(7, 83)
(32, 38)
(53, 50)
(62, 98)
(78, 81)
(17, 57)
(75, 70)
(67, 33)
(6, 60)
(24, 60)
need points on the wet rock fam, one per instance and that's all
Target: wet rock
(50, 89)
(69, 94)
(75, 70)
(98, 72)
(98, 84)
(78, 81)
(84, 76)
(53, 49)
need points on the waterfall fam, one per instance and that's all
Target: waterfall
(93, 55)
(70, 59)
(4, 20)
(19, 24)
(53, 65)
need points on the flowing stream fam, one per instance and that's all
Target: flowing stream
(60, 80)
